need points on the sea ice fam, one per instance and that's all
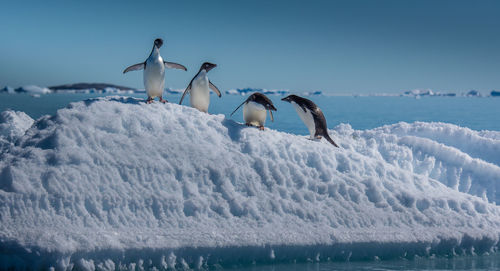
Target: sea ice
(113, 183)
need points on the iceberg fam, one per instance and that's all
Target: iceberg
(32, 89)
(92, 88)
(7, 89)
(417, 93)
(114, 183)
(248, 91)
(473, 93)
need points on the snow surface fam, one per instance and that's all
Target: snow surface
(13, 124)
(113, 183)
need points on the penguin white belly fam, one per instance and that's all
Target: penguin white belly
(307, 118)
(200, 93)
(254, 114)
(154, 77)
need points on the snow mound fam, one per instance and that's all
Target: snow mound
(466, 160)
(13, 124)
(113, 183)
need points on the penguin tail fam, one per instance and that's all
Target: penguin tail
(327, 137)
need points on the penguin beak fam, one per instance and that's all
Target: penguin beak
(285, 99)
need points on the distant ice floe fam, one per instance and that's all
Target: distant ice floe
(113, 183)
(32, 89)
(248, 91)
(7, 89)
(417, 93)
(427, 92)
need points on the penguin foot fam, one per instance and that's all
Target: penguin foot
(261, 128)
(248, 124)
(149, 100)
(318, 137)
(163, 100)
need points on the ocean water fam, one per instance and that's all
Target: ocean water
(359, 112)
(488, 262)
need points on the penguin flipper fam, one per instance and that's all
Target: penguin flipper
(214, 88)
(239, 107)
(185, 91)
(271, 114)
(172, 65)
(135, 67)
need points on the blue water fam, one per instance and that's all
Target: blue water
(490, 262)
(359, 112)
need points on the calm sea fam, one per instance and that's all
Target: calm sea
(359, 112)
(476, 263)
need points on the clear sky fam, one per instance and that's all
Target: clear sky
(333, 46)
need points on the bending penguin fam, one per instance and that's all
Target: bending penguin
(199, 88)
(255, 110)
(312, 117)
(154, 72)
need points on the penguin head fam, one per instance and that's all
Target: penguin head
(158, 43)
(207, 66)
(290, 98)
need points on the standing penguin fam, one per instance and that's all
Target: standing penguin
(255, 110)
(154, 72)
(312, 117)
(199, 88)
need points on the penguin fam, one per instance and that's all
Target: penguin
(199, 88)
(312, 117)
(255, 110)
(154, 72)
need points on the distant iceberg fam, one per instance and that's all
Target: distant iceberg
(427, 92)
(248, 91)
(32, 89)
(113, 183)
(174, 91)
(473, 93)
(92, 88)
(7, 89)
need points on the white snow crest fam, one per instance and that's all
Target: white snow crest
(113, 183)
(13, 124)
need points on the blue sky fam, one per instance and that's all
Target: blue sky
(333, 46)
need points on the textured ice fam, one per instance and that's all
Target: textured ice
(13, 124)
(113, 183)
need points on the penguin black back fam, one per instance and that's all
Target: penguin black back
(261, 99)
